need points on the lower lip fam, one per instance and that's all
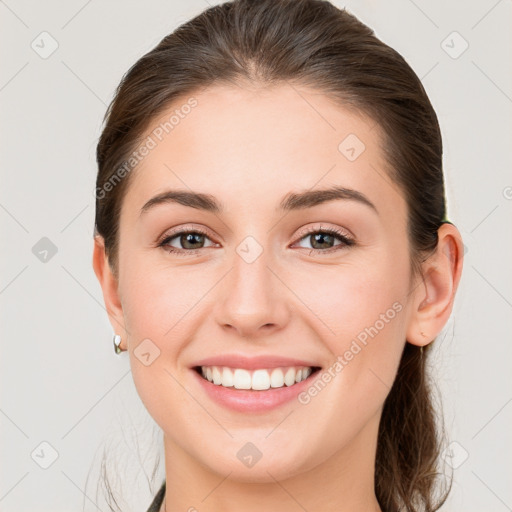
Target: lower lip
(246, 400)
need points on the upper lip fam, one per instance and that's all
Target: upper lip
(253, 362)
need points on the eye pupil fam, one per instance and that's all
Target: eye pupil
(321, 237)
(188, 238)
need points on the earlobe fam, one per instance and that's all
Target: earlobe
(109, 286)
(434, 296)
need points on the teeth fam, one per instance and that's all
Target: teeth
(217, 377)
(240, 378)
(289, 377)
(227, 377)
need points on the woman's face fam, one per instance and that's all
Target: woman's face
(264, 280)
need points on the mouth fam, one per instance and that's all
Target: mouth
(257, 380)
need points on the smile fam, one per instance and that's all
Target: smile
(254, 391)
(258, 379)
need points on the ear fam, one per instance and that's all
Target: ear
(109, 286)
(434, 294)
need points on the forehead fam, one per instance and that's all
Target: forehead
(249, 144)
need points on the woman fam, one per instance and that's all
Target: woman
(272, 245)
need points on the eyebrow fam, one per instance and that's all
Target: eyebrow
(292, 201)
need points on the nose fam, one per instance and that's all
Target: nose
(253, 301)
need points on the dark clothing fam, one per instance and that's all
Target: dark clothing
(158, 500)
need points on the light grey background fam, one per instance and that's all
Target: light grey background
(61, 382)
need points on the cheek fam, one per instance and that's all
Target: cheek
(158, 307)
(157, 298)
(349, 299)
(361, 311)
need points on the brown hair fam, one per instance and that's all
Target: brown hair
(313, 43)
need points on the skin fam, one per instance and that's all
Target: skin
(249, 147)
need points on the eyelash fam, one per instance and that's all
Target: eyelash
(346, 241)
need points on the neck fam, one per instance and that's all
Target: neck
(343, 482)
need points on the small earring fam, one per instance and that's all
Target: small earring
(117, 343)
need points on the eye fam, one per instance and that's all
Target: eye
(322, 240)
(191, 241)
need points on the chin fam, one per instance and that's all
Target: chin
(250, 465)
